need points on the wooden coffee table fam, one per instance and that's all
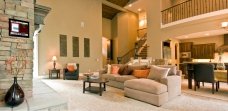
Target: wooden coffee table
(95, 89)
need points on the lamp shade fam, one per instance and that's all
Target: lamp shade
(54, 58)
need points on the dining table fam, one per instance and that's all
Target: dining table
(220, 75)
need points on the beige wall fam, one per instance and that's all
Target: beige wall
(218, 40)
(65, 18)
(124, 33)
(106, 28)
(114, 38)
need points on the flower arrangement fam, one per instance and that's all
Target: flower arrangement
(16, 65)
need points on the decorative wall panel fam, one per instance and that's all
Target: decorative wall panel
(86, 47)
(75, 44)
(63, 45)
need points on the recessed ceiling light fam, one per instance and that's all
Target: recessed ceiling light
(224, 24)
(139, 9)
(130, 5)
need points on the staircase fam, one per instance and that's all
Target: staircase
(140, 49)
(143, 53)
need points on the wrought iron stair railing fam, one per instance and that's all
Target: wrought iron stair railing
(133, 52)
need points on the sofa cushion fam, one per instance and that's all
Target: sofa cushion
(110, 76)
(172, 71)
(130, 68)
(141, 73)
(137, 67)
(123, 78)
(146, 85)
(157, 73)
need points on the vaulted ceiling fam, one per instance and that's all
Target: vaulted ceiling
(110, 12)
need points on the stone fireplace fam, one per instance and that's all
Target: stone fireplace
(9, 45)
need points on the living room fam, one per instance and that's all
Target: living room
(81, 22)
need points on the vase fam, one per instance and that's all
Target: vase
(220, 64)
(15, 95)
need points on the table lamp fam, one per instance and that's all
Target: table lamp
(54, 59)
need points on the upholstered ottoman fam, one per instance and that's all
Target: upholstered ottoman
(146, 90)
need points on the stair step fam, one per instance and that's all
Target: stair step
(142, 55)
(143, 51)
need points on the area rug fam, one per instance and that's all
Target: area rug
(113, 100)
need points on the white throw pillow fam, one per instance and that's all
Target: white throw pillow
(157, 73)
(109, 69)
(172, 71)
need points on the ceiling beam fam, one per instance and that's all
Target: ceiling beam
(114, 6)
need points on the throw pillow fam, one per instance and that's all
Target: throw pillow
(115, 69)
(122, 67)
(172, 71)
(157, 73)
(70, 68)
(126, 71)
(74, 64)
(135, 67)
(141, 73)
(109, 69)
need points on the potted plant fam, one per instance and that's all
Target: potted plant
(220, 64)
(15, 66)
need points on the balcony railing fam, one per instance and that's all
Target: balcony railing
(192, 8)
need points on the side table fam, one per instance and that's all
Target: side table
(57, 71)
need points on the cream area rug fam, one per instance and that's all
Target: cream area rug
(113, 100)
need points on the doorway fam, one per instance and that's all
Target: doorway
(107, 51)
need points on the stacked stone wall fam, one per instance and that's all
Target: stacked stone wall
(10, 45)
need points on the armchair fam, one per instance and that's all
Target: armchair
(71, 75)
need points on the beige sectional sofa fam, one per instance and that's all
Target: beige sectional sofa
(148, 90)
(117, 80)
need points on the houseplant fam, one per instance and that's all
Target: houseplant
(220, 64)
(15, 65)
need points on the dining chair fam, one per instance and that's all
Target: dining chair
(204, 73)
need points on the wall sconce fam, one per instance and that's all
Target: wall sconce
(54, 58)
(224, 25)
